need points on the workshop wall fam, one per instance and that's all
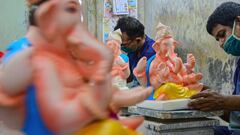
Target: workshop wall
(12, 21)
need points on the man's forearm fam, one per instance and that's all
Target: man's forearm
(232, 103)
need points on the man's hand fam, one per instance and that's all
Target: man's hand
(207, 101)
(205, 87)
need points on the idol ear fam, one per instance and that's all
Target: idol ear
(156, 46)
(46, 19)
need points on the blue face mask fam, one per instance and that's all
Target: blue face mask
(232, 44)
(126, 50)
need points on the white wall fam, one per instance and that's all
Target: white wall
(12, 21)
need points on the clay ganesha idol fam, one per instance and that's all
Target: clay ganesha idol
(166, 72)
(71, 76)
(68, 95)
(120, 70)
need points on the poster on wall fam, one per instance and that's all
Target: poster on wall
(110, 18)
(132, 8)
(120, 7)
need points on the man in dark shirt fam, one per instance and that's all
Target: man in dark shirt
(224, 25)
(135, 43)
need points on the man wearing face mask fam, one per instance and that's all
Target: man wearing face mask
(135, 43)
(224, 25)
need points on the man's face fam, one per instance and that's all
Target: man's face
(237, 28)
(221, 33)
(133, 44)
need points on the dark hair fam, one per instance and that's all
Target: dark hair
(131, 26)
(225, 14)
(32, 11)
